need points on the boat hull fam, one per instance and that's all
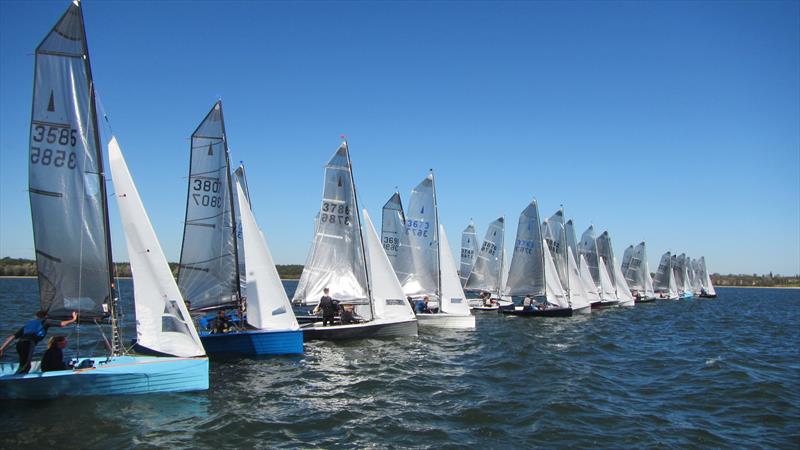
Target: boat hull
(444, 320)
(645, 300)
(533, 312)
(254, 342)
(373, 329)
(121, 375)
(604, 304)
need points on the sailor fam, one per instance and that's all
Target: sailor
(30, 334)
(328, 307)
(422, 306)
(347, 315)
(527, 303)
(221, 323)
(53, 358)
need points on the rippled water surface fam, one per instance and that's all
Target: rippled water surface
(700, 373)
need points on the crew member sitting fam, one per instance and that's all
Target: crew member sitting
(53, 358)
(222, 323)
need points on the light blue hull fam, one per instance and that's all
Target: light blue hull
(254, 342)
(686, 295)
(121, 375)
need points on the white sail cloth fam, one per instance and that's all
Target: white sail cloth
(555, 292)
(395, 237)
(388, 301)
(268, 307)
(607, 290)
(592, 293)
(163, 323)
(453, 301)
(421, 224)
(469, 248)
(578, 298)
(526, 271)
(623, 291)
(486, 274)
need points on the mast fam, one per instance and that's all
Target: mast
(116, 344)
(360, 234)
(438, 245)
(230, 201)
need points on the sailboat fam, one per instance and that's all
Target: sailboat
(636, 271)
(589, 248)
(685, 287)
(434, 275)
(592, 295)
(664, 282)
(707, 288)
(223, 266)
(73, 253)
(469, 250)
(558, 240)
(347, 257)
(487, 273)
(533, 272)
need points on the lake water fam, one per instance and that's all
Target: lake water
(715, 373)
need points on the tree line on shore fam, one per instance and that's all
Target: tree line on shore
(20, 267)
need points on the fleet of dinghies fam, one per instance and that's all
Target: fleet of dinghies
(390, 285)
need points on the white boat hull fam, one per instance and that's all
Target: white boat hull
(444, 320)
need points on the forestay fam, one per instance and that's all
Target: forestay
(387, 295)
(486, 275)
(421, 223)
(469, 249)
(65, 177)
(163, 323)
(268, 307)
(453, 300)
(336, 257)
(208, 276)
(395, 237)
(526, 271)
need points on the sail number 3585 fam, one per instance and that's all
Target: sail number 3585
(54, 135)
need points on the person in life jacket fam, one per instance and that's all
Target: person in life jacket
(30, 334)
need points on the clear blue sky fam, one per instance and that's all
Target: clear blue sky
(673, 122)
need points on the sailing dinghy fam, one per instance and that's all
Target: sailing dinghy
(636, 271)
(664, 282)
(225, 260)
(532, 273)
(486, 276)
(434, 270)
(347, 257)
(707, 288)
(73, 252)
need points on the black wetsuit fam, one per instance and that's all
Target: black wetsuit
(53, 359)
(27, 342)
(328, 307)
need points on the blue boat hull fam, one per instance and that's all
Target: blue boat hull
(254, 342)
(120, 375)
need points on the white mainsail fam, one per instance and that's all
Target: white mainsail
(421, 222)
(649, 292)
(395, 237)
(587, 248)
(556, 237)
(268, 307)
(705, 277)
(387, 295)
(605, 251)
(209, 273)
(486, 275)
(66, 185)
(469, 249)
(163, 323)
(336, 259)
(453, 300)
(526, 271)
(664, 274)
